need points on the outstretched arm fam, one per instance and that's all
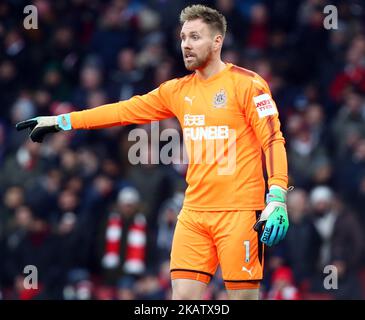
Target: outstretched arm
(139, 109)
(154, 105)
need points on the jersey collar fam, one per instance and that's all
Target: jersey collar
(216, 76)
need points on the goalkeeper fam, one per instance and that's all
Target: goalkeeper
(224, 219)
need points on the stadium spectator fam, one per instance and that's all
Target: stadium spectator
(123, 244)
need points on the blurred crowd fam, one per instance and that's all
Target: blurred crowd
(97, 227)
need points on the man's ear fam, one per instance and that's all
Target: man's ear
(218, 42)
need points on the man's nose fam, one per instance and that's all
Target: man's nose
(186, 44)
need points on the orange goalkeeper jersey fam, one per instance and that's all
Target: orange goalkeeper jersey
(227, 120)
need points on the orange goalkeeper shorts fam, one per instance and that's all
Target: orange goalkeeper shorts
(204, 239)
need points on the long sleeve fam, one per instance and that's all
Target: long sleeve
(262, 114)
(152, 106)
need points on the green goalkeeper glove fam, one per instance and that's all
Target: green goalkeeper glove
(41, 126)
(274, 217)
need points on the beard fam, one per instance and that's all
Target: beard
(198, 62)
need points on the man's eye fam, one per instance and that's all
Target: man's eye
(195, 37)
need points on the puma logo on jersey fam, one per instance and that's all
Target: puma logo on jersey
(247, 270)
(190, 100)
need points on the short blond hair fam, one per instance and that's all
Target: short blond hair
(213, 18)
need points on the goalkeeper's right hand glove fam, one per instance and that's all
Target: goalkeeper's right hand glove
(40, 126)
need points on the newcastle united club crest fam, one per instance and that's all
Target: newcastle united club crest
(220, 99)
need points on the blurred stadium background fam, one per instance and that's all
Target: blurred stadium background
(59, 199)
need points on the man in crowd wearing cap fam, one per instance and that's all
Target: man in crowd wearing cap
(342, 241)
(123, 238)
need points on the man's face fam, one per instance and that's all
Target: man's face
(197, 42)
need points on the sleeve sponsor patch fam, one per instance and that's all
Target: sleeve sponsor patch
(265, 105)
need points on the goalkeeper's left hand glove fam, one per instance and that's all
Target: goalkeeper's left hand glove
(41, 126)
(274, 217)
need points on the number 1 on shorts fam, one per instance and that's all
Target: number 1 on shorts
(246, 243)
